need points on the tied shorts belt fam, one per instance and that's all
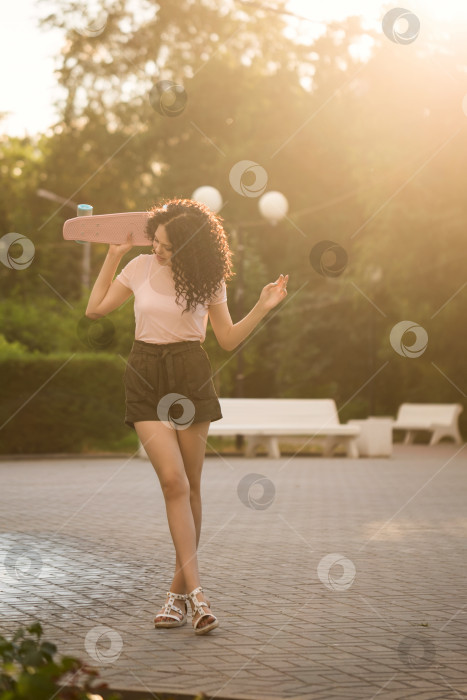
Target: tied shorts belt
(165, 353)
(154, 370)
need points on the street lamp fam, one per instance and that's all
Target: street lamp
(375, 275)
(273, 207)
(86, 263)
(209, 196)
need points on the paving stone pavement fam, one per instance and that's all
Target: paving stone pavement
(336, 578)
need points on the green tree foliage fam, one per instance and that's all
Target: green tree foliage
(369, 153)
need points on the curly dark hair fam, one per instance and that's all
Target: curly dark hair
(201, 256)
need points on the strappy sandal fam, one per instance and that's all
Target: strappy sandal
(177, 622)
(199, 609)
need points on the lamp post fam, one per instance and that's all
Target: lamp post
(375, 275)
(237, 233)
(273, 207)
(86, 262)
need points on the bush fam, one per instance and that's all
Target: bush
(61, 403)
(11, 349)
(29, 670)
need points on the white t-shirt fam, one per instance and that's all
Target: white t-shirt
(158, 318)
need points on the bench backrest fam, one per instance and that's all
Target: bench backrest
(441, 413)
(283, 412)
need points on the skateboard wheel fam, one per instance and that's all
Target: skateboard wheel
(84, 210)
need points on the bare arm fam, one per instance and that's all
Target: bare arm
(230, 335)
(107, 295)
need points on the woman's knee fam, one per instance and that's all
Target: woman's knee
(175, 486)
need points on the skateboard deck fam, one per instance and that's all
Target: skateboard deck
(108, 228)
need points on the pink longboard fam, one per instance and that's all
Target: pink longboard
(108, 228)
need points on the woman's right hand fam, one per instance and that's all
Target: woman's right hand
(121, 248)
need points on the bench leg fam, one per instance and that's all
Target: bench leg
(437, 435)
(352, 449)
(408, 440)
(270, 442)
(252, 442)
(272, 445)
(329, 444)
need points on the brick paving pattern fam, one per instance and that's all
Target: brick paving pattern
(85, 545)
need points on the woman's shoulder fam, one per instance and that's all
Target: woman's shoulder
(137, 265)
(140, 259)
(220, 294)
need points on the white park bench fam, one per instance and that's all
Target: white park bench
(263, 421)
(441, 419)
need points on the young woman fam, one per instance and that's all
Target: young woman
(170, 395)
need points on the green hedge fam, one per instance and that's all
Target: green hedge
(61, 403)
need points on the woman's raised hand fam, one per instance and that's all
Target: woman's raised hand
(274, 292)
(122, 248)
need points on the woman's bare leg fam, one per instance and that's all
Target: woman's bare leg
(181, 490)
(192, 443)
(161, 445)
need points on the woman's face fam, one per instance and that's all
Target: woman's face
(161, 246)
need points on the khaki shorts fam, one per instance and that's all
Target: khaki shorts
(169, 382)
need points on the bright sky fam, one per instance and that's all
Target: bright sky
(28, 85)
(27, 80)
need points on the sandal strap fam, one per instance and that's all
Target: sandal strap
(192, 597)
(167, 614)
(194, 592)
(198, 605)
(170, 606)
